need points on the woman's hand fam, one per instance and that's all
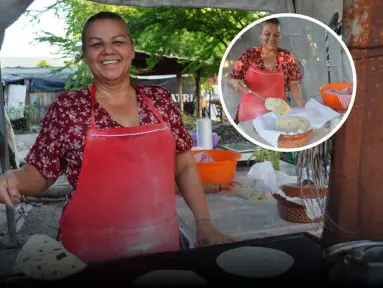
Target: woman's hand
(9, 191)
(296, 93)
(301, 103)
(208, 235)
(240, 86)
(236, 84)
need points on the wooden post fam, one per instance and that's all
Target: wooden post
(27, 83)
(179, 84)
(356, 188)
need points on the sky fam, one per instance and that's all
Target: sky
(18, 37)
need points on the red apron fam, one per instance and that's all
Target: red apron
(266, 84)
(124, 203)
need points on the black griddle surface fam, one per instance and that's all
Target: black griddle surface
(309, 267)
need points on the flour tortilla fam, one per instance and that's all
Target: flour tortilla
(292, 124)
(166, 278)
(44, 258)
(277, 105)
(255, 262)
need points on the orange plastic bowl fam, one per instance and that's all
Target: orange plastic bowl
(223, 168)
(330, 100)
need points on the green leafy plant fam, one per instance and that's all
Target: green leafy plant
(43, 64)
(262, 155)
(22, 118)
(189, 121)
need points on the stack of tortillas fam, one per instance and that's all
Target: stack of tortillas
(277, 105)
(44, 258)
(294, 124)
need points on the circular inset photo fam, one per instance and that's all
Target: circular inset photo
(287, 82)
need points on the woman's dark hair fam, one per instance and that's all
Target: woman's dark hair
(102, 16)
(271, 21)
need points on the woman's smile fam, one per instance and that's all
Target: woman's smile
(110, 62)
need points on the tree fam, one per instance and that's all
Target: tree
(201, 35)
(43, 64)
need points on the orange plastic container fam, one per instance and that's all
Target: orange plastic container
(223, 168)
(331, 100)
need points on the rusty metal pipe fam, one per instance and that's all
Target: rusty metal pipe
(356, 183)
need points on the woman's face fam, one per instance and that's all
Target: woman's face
(270, 35)
(108, 49)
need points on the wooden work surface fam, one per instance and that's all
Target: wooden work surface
(248, 128)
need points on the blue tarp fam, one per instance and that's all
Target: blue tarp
(50, 79)
(54, 79)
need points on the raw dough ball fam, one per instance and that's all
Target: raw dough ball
(168, 278)
(256, 197)
(292, 124)
(44, 258)
(255, 262)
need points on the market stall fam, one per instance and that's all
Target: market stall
(312, 9)
(353, 178)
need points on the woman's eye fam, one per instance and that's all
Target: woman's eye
(118, 42)
(95, 45)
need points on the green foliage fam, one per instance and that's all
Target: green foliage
(189, 121)
(21, 123)
(199, 35)
(43, 64)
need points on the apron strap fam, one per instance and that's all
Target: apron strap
(280, 66)
(92, 98)
(146, 99)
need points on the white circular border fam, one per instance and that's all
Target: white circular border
(281, 15)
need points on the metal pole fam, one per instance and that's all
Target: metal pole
(198, 93)
(355, 189)
(5, 165)
(328, 57)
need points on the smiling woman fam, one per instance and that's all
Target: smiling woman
(266, 70)
(121, 147)
(99, 40)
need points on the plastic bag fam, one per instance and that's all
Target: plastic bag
(264, 175)
(267, 179)
(203, 157)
